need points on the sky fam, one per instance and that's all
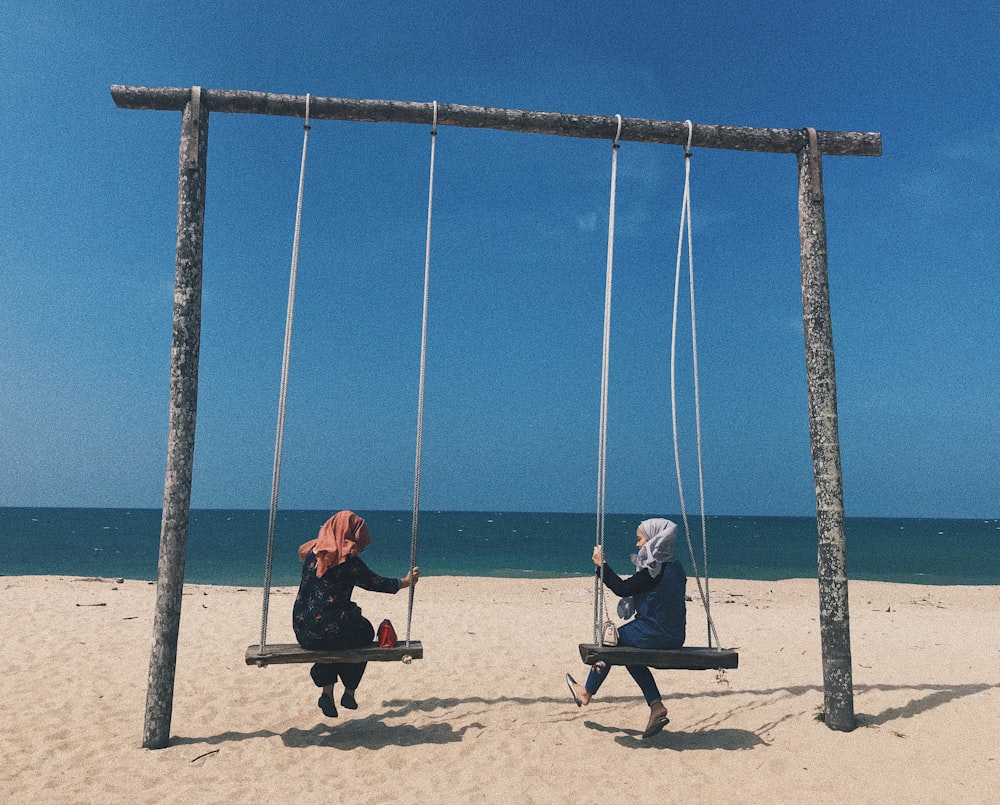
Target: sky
(512, 402)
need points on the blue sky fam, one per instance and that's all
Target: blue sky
(87, 230)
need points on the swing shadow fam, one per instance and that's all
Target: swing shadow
(930, 696)
(714, 737)
(372, 732)
(725, 738)
(938, 695)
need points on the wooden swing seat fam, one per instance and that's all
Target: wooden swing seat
(689, 658)
(282, 653)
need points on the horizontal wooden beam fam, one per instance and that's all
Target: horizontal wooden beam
(737, 138)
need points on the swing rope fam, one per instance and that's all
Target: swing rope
(283, 393)
(685, 225)
(602, 450)
(423, 367)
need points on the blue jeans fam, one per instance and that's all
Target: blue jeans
(629, 634)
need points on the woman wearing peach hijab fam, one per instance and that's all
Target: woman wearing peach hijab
(324, 616)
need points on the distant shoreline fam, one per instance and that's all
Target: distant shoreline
(228, 546)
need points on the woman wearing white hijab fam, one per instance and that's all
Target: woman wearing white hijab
(655, 594)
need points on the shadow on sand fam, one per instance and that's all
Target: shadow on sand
(372, 732)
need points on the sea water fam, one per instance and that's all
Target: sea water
(229, 546)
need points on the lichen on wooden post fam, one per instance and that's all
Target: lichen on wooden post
(835, 631)
(183, 413)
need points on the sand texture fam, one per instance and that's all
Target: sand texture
(486, 715)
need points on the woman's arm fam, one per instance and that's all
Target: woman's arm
(364, 577)
(410, 578)
(641, 582)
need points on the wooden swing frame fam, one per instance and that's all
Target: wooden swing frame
(808, 145)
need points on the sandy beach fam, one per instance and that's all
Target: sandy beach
(486, 716)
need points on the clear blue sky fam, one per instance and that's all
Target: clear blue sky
(87, 232)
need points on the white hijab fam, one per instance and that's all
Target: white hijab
(659, 548)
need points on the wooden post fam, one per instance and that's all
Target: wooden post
(183, 412)
(835, 631)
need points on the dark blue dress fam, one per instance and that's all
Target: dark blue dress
(660, 620)
(660, 606)
(324, 616)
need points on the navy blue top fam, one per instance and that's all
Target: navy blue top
(660, 604)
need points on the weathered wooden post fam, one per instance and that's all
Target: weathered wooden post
(834, 614)
(183, 412)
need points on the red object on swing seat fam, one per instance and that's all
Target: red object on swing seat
(386, 634)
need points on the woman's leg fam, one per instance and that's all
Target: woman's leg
(627, 636)
(657, 712)
(595, 679)
(644, 678)
(351, 673)
(633, 634)
(324, 674)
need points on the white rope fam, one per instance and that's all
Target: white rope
(602, 450)
(283, 393)
(423, 368)
(686, 225)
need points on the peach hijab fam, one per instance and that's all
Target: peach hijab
(343, 535)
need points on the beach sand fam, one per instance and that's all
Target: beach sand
(486, 715)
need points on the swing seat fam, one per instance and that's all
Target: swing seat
(282, 653)
(689, 658)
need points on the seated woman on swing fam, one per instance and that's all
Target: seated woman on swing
(655, 594)
(324, 617)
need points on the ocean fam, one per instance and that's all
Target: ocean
(229, 547)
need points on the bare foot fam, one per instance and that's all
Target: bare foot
(579, 691)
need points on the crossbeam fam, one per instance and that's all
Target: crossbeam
(703, 135)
